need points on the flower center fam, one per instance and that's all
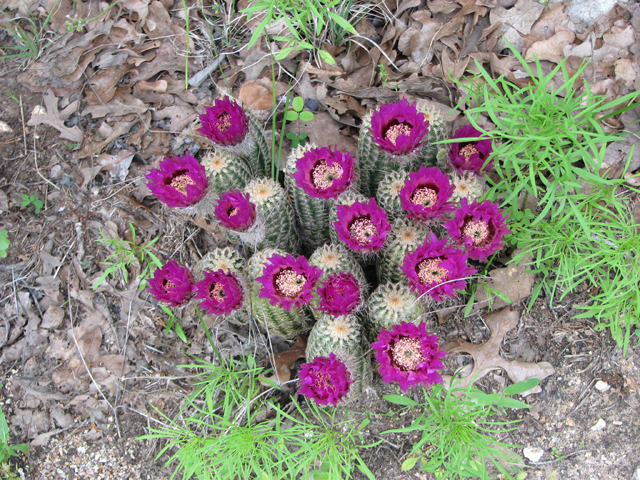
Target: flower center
(323, 175)
(216, 292)
(168, 285)
(479, 231)
(224, 121)
(468, 150)
(233, 211)
(323, 381)
(180, 180)
(425, 196)
(406, 353)
(429, 271)
(362, 229)
(288, 283)
(396, 129)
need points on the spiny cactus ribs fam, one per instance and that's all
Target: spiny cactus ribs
(404, 205)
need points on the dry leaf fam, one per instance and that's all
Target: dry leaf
(552, 48)
(56, 118)
(515, 21)
(510, 280)
(486, 357)
(283, 361)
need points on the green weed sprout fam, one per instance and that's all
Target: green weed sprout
(298, 114)
(125, 254)
(458, 437)
(6, 450)
(32, 200)
(32, 39)
(4, 243)
(549, 145)
(305, 20)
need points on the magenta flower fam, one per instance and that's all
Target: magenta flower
(288, 282)
(407, 354)
(479, 227)
(221, 292)
(426, 193)
(326, 380)
(362, 226)
(436, 269)
(235, 212)
(323, 173)
(470, 156)
(398, 128)
(180, 182)
(225, 123)
(172, 284)
(340, 294)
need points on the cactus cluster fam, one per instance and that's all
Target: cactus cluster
(405, 209)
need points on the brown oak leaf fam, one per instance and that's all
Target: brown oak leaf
(486, 357)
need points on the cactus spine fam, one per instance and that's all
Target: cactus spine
(388, 196)
(430, 154)
(406, 235)
(391, 304)
(371, 160)
(226, 171)
(275, 211)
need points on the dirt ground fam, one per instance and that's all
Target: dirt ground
(81, 413)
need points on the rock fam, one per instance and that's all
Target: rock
(5, 128)
(600, 425)
(533, 454)
(587, 10)
(602, 386)
(636, 473)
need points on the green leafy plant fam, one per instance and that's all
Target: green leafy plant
(4, 243)
(78, 24)
(298, 114)
(32, 200)
(6, 449)
(458, 435)
(30, 34)
(549, 148)
(227, 429)
(125, 254)
(305, 20)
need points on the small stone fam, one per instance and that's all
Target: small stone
(533, 454)
(602, 386)
(5, 128)
(38, 110)
(600, 425)
(636, 473)
(56, 172)
(617, 423)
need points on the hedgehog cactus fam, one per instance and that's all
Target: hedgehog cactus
(398, 132)
(332, 259)
(226, 171)
(388, 195)
(391, 304)
(405, 235)
(347, 198)
(228, 261)
(314, 179)
(341, 336)
(281, 286)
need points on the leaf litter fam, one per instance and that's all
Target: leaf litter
(118, 88)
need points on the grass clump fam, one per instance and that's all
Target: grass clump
(457, 434)
(228, 429)
(549, 149)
